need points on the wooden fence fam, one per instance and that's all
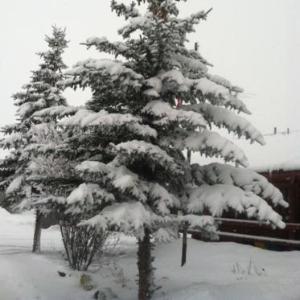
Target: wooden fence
(257, 233)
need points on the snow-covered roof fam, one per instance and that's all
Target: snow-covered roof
(281, 152)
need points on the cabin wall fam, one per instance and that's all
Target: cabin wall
(289, 184)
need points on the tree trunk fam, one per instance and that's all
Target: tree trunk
(189, 156)
(37, 232)
(184, 244)
(145, 268)
(185, 225)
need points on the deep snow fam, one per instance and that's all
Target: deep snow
(214, 271)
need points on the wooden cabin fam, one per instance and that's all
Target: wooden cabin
(279, 162)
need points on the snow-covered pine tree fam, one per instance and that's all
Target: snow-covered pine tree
(44, 90)
(52, 173)
(135, 176)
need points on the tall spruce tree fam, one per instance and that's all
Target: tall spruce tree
(43, 91)
(132, 135)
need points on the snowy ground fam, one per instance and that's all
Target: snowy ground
(214, 270)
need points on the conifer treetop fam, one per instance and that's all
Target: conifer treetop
(44, 90)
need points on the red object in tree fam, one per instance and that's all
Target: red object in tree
(178, 102)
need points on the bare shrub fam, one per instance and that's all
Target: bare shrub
(81, 243)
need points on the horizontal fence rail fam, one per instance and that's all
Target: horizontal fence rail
(259, 238)
(233, 231)
(255, 223)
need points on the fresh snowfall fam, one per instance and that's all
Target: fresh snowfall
(214, 270)
(98, 201)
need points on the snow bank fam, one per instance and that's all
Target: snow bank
(208, 275)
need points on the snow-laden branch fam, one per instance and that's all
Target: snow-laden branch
(215, 88)
(15, 185)
(58, 112)
(128, 11)
(189, 64)
(222, 117)
(204, 222)
(139, 150)
(138, 22)
(162, 200)
(104, 121)
(219, 198)
(130, 217)
(224, 82)
(83, 71)
(208, 143)
(14, 140)
(245, 179)
(129, 183)
(104, 45)
(233, 102)
(88, 197)
(166, 114)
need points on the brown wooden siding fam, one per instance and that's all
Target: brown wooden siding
(289, 184)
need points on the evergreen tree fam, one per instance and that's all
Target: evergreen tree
(44, 90)
(129, 140)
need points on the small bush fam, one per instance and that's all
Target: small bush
(81, 244)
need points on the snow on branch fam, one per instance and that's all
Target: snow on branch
(103, 68)
(45, 133)
(93, 167)
(245, 179)
(208, 143)
(48, 166)
(207, 87)
(128, 11)
(15, 185)
(50, 200)
(129, 217)
(162, 199)
(104, 121)
(104, 45)
(128, 182)
(9, 129)
(149, 153)
(174, 81)
(189, 64)
(167, 114)
(204, 223)
(175, 78)
(27, 108)
(139, 22)
(233, 102)
(187, 24)
(219, 198)
(87, 197)
(59, 111)
(222, 117)
(12, 141)
(224, 82)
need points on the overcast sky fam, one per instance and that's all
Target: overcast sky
(253, 43)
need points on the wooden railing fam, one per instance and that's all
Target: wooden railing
(256, 232)
(252, 223)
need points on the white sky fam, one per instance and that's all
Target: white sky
(253, 43)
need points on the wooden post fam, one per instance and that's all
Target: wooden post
(37, 232)
(185, 225)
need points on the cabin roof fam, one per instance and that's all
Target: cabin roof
(281, 152)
